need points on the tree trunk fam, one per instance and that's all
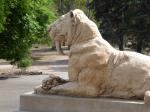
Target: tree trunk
(72, 3)
(87, 8)
(61, 6)
(121, 42)
(139, 45)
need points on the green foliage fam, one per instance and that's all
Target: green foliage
(66, 5)
(45, 13)
(24, 63)
(122, 18)
(138, 21)
(23, 23)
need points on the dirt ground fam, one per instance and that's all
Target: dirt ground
(45, 61)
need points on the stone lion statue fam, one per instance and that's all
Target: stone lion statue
(95, 67)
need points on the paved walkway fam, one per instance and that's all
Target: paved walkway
(11, 88)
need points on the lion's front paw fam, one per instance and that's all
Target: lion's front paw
(51, 82)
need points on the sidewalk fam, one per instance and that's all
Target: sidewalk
(47, 62)
(12, 88)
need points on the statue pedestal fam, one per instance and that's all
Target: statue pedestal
(30, 102)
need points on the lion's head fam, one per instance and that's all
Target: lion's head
(73, 27)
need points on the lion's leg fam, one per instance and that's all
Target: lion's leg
(75, 89)
(147, 98)
(56, 85)
(74, 68)
(49, 83)
(73, 73)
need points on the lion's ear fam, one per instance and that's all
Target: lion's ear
(71, 14)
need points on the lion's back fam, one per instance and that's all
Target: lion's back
(132, 76)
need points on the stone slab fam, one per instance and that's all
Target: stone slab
(30, 102)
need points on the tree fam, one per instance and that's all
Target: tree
(122, 18)
(110, 14)
(138, 21)
(22, 23)
(67, 5)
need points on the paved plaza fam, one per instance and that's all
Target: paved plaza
(11, 88)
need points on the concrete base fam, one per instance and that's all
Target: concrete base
(53, 103)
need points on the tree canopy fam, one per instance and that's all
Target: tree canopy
(23, 23)
(122, 20)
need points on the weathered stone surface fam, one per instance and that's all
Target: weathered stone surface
(53, 103)
(95, 67)
(147, 98)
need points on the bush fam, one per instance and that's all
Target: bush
(23, 23)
